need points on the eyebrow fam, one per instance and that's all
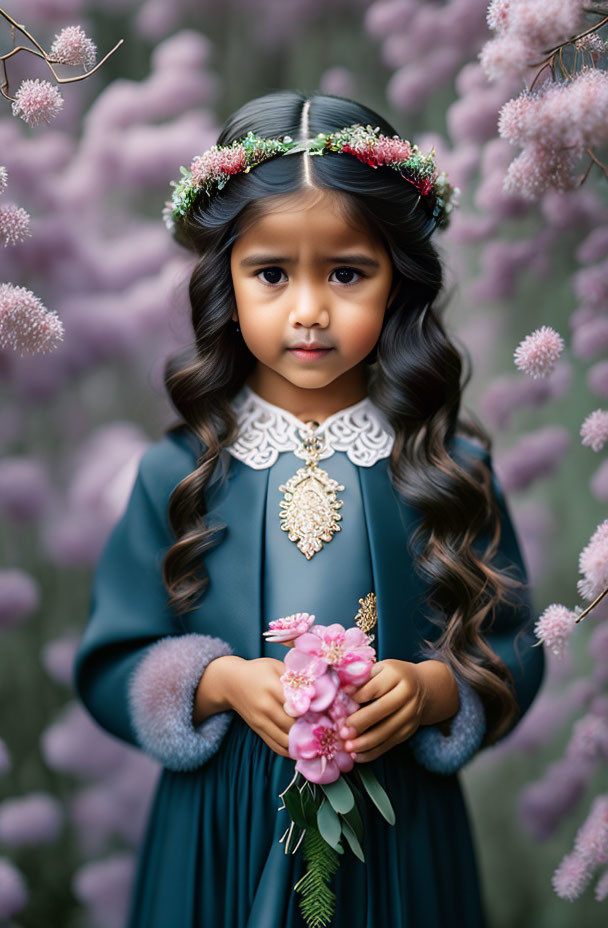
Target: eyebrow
(255, 260)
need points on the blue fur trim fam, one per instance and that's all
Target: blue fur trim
(161, 701)
(447, 754)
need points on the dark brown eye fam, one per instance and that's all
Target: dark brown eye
(271, 271)
(347, 271)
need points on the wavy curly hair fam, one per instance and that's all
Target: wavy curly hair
(415, 376)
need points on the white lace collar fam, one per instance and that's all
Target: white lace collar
(265, 430)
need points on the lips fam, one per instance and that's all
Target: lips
(310, 346)
(310, 354)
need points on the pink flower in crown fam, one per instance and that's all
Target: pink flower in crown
(216, 163)
(308, 684)
(389, 150)
(289, 627)
(346, 650)
(315, 743)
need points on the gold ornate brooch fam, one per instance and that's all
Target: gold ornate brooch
(309, 508)
(367, 616)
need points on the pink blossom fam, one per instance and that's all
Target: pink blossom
(19, 596)
(537, 353)
(37, 101)
(590, 338)
(507, 55)
(342, 706)
(597, 379)
(587, 97)
(542, 804)
(555, 626)
(347, 651)
(591, 284)
(26, 325)
(57, 657)
(593, 563)
(33, 819)
(13, 890)
(315, 742)
(537, 454)
(591, 43)
(338, 81)
(307, 683)
(601, 887)
(571, 877)
(589, 738)
(75, 744)
(594, 246)
(104, 886)
(497, 15)
(537, 169)
(116, 805)
(594, 430)
(14, 225)
(591, 842)
(388, 18)
(548, 23)
(24, 488)
(289, 627)
(71, 46)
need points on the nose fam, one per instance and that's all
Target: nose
(309, 306)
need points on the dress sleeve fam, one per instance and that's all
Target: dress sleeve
(512, 639)
(134, 672)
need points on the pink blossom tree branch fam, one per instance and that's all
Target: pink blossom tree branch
(50, 61)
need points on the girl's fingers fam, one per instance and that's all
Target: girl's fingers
(384, 731)
(369, 715)
(280, 740)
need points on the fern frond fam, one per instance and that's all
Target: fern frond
(318, 900)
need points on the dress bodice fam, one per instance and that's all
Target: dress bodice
(330, 583)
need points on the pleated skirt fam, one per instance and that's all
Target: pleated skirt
(211, 856)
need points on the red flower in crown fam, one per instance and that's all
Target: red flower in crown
(214, 163)
(380, 150)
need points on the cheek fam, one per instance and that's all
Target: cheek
(360, 333)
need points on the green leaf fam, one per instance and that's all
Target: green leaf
(355, 821)
(376, 793)
(309, 806)
(339, 794)
(291, 798)
(352, 840)
(328, 824)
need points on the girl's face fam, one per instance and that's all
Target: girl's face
(304, 276)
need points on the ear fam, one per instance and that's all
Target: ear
(393, 293)
(235, 316)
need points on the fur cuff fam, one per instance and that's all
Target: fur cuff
(161, 701)
(447, 754)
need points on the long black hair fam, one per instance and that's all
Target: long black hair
(416, 376)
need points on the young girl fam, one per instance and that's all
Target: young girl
(320, 465)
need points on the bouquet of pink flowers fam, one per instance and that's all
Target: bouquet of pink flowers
(325, 664)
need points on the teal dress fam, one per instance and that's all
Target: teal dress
(211, 855)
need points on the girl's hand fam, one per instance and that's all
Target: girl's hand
(255, 691)
(396, 697)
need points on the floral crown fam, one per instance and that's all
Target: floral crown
(210, 171)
